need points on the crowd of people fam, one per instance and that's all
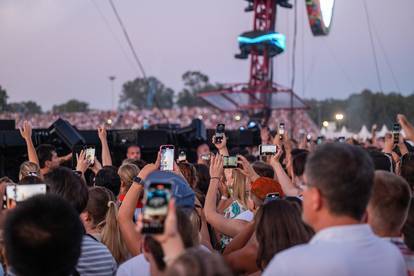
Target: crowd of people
(329, 208)
(136, 119)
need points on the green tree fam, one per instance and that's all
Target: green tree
(195, 82)
(366, 108)
(71, 106)
(30, 107)
(135, 93)
(3, 99)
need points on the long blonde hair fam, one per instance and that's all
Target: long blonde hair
(28, 168)
(103, 210)
(127, 172)
(239, 188)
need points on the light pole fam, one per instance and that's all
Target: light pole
(112, 79)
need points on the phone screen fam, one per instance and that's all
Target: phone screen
(90, 155)
(218, 137)
(281, 130)
(396, 133)
(157, 197)
(267, 149)
(182, 157)
(167, 158)
(230, 162)
(271, 197)
(319, 141)
(20, 193)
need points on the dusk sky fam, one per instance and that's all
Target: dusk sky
(55, 50)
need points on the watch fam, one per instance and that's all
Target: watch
(138, 180)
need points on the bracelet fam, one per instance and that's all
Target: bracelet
(218, 178)
(224, 197)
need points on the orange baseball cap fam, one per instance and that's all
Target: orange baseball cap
(264, 185)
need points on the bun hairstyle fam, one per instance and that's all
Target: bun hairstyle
(28, 168)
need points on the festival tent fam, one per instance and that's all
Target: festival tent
(384, 130)
(364, 133)
(344, 133)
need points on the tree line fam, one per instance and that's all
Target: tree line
(365, 108)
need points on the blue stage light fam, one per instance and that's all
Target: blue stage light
(277, 39)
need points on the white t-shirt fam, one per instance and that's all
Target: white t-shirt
(246, 216)
(135, 266)
(351, 250)
(140, 266)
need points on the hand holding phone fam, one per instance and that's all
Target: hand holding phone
(156, 200)
(182, 157)
(167, 158)
(281, 131)
(267, 149)
(230, 162)
(396, 133)
(18, 193)
(218, 136)
(90, 155)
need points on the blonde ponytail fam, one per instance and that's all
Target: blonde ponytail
(111, 235)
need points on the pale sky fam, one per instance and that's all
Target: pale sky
(55, 50)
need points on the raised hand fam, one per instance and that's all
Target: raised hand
(102, 132)
(246, 168)
(26, 131)
(275, 159)
(406, 126)
(82, 163)
(216, 166)
(97, 166)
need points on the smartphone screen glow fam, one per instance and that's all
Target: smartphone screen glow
(167, 159)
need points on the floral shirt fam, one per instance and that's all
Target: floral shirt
(235, 209)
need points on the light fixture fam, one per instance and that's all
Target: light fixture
(339, 117)
(320, 13)
(325, 124)
(237, 118)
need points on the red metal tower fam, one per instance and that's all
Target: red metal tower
(260, 93)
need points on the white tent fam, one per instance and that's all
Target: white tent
(328, 133)
(344, 133)
(384, 130)
(364, 133)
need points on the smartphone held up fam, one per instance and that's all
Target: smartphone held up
(167, 158)
(90, 155)
(18, 193)
(267, 150)
(281, 131)
(230, 162)
(156, 200)
(396, 133)
(219, 135)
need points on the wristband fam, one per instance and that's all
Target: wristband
(218, 178)
(79, 173)
(138, 180)
(224, 197)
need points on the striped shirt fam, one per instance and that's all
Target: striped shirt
(95, 259)
(405, 251)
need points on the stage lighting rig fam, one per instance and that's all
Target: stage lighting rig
(282, 3)
(271, 42)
